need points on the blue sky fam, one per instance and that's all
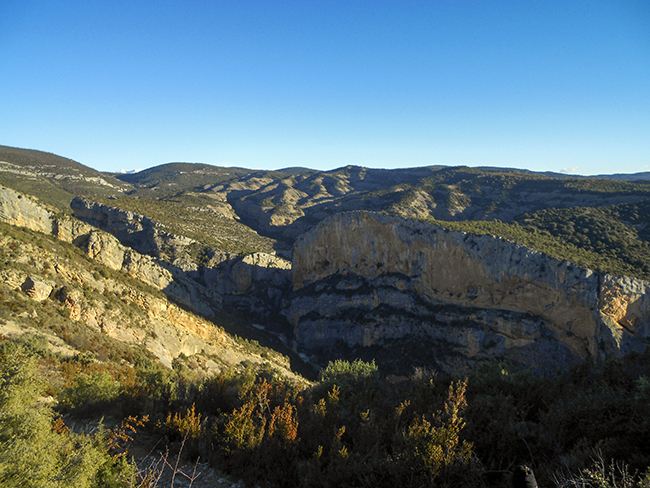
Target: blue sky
(541, 85)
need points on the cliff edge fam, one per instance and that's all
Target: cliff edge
(447, 299)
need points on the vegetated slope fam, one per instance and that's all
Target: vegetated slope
(619, 234)
(208, 220)
(645, 175)
(603, 244)
(51, 288)
(172, 178)
(284, 206)
(101, 347)
(198, 217)
(241, 211)
(54, 179)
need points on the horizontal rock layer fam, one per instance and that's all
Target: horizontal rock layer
(225, 274)
(365, 279)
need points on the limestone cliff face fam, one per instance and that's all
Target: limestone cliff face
(21, 210)
(225, 276)
(131, 314)
(368, 279)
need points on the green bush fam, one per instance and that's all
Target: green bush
(91, 389)
(32, 453)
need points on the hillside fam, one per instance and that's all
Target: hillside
(81, 302)
(53, 179)
(495, 316)
(267, 210)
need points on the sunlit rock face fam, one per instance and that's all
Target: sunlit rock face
(368, 280)
(253, 282)
(21, 210)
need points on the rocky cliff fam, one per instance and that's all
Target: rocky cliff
(404, 291)
(103, 295)
(133, 243)
(368, 280)
(222, 277)
(23, 211)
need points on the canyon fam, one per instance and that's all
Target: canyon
(407, 292)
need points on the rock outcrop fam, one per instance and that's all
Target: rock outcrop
(226, 277)
(23, 211)
(18, 209)
(45, 278)
(36, 289)
(136, 231)
(126, 239)
(368, 280)
(121, 312)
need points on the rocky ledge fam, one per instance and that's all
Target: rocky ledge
(393, 286)
(126, 241)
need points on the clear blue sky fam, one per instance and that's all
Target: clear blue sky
(543, 85)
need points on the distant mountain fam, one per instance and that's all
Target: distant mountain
(627, 176)
(180, 175)
(54, 179)
(269, 209)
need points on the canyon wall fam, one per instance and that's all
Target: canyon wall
(253, 282)
(369, 280)
(103, 301)
(250, 281)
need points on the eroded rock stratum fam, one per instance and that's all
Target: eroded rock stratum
(369, 280)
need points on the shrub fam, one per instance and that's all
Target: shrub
(36, 452)
(434, 445)
(602, 475)
(89, 389)
(179, 426)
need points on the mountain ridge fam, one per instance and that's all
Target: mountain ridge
(220, 231)
(205, 299)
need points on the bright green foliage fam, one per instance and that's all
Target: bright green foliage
(356, 380)
(32, 453)
(91, 388)
(25, 425)
(349, 373)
